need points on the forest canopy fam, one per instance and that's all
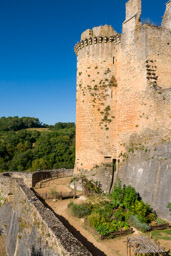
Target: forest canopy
(26, 144)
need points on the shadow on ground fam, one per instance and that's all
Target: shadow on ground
(91, 248)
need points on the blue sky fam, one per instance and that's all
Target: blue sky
(37, 59)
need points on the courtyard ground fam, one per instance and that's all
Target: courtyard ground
(110, 247)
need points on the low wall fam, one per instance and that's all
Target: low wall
(32, 178)
(50, 174)
(31, 228)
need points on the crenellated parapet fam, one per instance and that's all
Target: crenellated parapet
(96, 40)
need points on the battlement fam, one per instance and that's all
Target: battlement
(101, 34)
(96, 40)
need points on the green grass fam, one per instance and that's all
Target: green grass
(161, 234)
(39, 129)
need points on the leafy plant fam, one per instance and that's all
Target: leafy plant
(54, 193)
(90, 186)
(135, 222)
(160, 221)
(130, 197)
(80, 210)
(142, 210)
(117, 195)
(169, 207)
(94, 219)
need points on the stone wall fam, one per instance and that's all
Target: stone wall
(50, 174)
(167, 16)
(32, 178)
(96, 96)
(147, 167)
(31, 228)
(139, 63)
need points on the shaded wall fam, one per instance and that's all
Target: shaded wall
(31, 228)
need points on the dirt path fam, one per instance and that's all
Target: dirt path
(2, 246)
(110, 247)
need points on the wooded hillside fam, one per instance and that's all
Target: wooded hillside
(27, 145)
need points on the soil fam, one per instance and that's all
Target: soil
(110, 247)
(2, 246)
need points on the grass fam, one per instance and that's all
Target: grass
(161, 234)
(118, 253)
(39, 129)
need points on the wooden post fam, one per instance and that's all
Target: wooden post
(127, 246)
(130, 250)
(75, 190)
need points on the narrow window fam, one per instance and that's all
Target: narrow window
(113, 60)
(113, 175)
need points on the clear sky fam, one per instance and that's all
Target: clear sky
(37, 59)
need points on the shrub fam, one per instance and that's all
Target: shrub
(106, 228)
(105, 212)
(54, 193)
(117, 195)
(94, 219)
(169, 207)
(160, 221)
(135, 222)
(119, 214)
(80, 210)
(130, 197)
(151, 217)
(142, 210)
(90, 186)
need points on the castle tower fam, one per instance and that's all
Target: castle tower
(123, 105)
(96, 97)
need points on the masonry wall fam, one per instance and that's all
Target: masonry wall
(30, 227)
(96, 97)
(39, 176)
(147, 168)
(144, 104)
(141, 107)
(166, 23)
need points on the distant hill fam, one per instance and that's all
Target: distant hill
(26, 144)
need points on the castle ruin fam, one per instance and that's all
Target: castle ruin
(123, 106)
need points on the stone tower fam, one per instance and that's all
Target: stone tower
(96, 96)
(123, 104)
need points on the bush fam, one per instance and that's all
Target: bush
(80, 210)
(117, 195)
(54, 193)
(160, 221)
(105, 212)
(135, 222)
(142, 210)
(130, 197)
(106, 228)
(90, 186)
(119, 214)
(94, 219)
(169, 207)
